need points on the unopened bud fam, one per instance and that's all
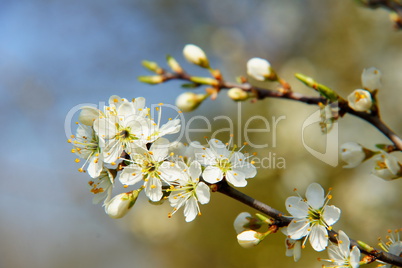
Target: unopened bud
(360, 100)
(151, 79)
(189, 101)
(353, 154)
(195, 55)
(238, 94)
(152, 66)
(371, 78)
(121, 204)
(248, 239)
(387, 167)
(261, 70)
(173, 64)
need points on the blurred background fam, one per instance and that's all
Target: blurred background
(57, 54)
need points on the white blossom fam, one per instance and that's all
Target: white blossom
(195, 55)
(219, 162)
(260, 69)
(341, 255)
(353, 154)
(371, 78)
(360, 100)
(393, 245)
(150, 166)
(311, 217)
(386, 167)
(188, 191)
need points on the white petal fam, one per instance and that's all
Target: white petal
(171, 127)
(318, 237)
(219, 148)
(88, 115)
(153, 189)
(296, 207)
(160, 149)
(171, 173)
(131, 175)
(139, 103)
(331, 214)
(212, 174)
(203, 193)
(237, 179)
(194, 170)
(125, 110)
(241, 220)
(95, 167)
(315, 195)
(355, 257)
(344, 246)
(191, 209)
(335, 254)
(298, 228)
(371, 78)
(105, 128)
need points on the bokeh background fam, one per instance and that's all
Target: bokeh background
(57, 54)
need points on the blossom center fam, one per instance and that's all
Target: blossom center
(224, 164)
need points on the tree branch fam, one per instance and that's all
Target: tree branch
(281, 221)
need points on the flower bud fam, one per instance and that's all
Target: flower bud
(238, 94)
(260, 70)
(371, 78)
(195, 55)
(121, 204)
(353, 154)
(152, 66)
(88, 115)
(248, 239)
(360, 100)
(241, 221)
(189, 101)
(387, 167)
(151, 79)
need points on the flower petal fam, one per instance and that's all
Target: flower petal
(153, 189)
(191, 209)
(212, 174)
(296, 207)
(131, 175)
(202, 192)
(194, 170)
(298, 228)
(318, 237)
(354, 257)
(315, 195)
(331, 214)
(237, 179)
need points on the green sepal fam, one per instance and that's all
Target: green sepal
(325, 91)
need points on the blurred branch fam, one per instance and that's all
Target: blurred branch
(281, 221)
(394, 6)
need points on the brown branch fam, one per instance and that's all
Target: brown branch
(262, 93)
(281, 221)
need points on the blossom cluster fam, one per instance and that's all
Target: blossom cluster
(122, 141)
(311, 218)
